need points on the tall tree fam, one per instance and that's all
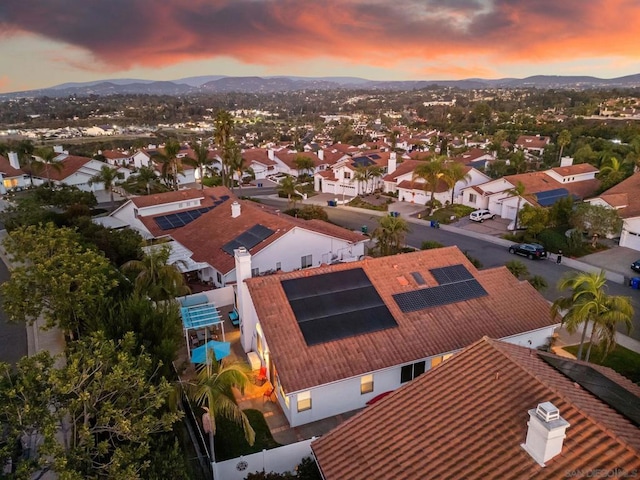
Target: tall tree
(518, 191)
(303, 164)
(288, 188)
(171, 165)
(109, 177)
(597, 220)
(202, 160)
(589, 304)
(236, 164)
(390, 234)
(223, 132)
(453, 173)
(431, 172)
(155, 277)
(564, 139)
(45, 161)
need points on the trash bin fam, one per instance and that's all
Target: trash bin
(332, 203)
(394, 214)
(635, 283)
(364, 229)
(259, 185)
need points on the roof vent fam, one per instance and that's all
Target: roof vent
(548, 412)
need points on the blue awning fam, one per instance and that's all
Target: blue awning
(200, 316)
(220, 350)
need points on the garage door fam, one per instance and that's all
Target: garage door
(630, 239)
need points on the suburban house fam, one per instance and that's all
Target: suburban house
(532, 143)
(117, 158)
(341, 179)
(12, 177)
(625, 198)
(476, 157)
(76, 171)
(400, 180)
(203, 227)
(494, 410)
(335, 337)
(540, 189)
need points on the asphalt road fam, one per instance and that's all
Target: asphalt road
(13, 337)
(489, 254)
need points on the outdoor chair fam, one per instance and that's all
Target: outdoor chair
(261, 377)
(268, 393)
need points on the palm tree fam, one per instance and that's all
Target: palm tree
(170, 163)
(212, 390)
(147, 176)
(303, 164)
(517, 268)
(155, 278)
(612, 171)
(109, 178)
(390, 234)
(360, 176)
(455, 172)
(288, 188)
(373, 172)
(518, 191)
(202, 161)
(223, 124)
(235, 163)
(589, 303)
(564, 139)
(45, 160)
(431, 172)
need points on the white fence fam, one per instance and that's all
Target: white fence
(278, 460)
(220, 296)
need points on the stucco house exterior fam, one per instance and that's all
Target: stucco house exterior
(335, 337)
(77, 171)
(541, 189)
(340, 178)
(202, 227)
(12, 177)
(625, 198)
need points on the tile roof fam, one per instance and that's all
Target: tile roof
(70, 165)
(511, 307)
(167, 197)
(259, 155)
(575, 169)
(115, 154)
(467, 418)
(531, 141)
(331, 156)
(629, 186)
(403, 168)
(535, 182)
(7, 169)
(288, 158)
(206, 236)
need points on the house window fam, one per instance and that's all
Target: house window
(219, 276)
(306, 261)
(304, 401)
(472, 197)
(366, 384)
(278, 266)
(135, 212)
(409, 372)
(255, 272)
(347, 175)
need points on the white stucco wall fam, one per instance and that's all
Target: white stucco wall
(630, 236)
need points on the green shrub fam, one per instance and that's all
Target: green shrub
(575, 245)
(430, 244)
(474, 261)
(552, 240)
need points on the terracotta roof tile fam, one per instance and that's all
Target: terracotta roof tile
(536, 182)
(7, 169)
(467, 418)
(70, 165)
(576, 169)
(511, 307)
(631, 187)
(167, 197)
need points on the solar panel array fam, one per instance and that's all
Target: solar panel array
(440, 295)
(451, 274)
(248, 239)
(336, 305)
(362, 162)
(548, 198)
(613, 394)
(180, 219)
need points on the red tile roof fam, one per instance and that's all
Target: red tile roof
(168, 197)
(511, 307)
(536, 182)
(531, 141)
(70, 165)
(577, 169)
(288, 158)
(630, 187)
(403, 168)
(8, 170)
(467, 418)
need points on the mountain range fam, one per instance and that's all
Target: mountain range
(224, 84)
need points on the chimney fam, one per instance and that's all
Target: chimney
(14, 161)
(321, 155)
(235, 210)
(393, 163)
(271, 154)
(243, 300)
(566, 161)
(546, 433)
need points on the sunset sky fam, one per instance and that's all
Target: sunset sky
(48, 42)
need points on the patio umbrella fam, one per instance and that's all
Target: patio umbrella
(220, 349)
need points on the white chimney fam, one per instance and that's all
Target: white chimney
(271, 154)
(235, 210)
(14, 161)
(393, 163)
(546, 433)
(243, 271)
(59, 149)
(566, 161)
(321, 154)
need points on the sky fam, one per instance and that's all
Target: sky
(48, 42)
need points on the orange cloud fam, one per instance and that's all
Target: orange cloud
(123, 34)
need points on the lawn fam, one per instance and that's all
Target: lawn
(624, 361)
(230, 441)
(444, 215)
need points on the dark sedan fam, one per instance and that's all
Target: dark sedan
(529, 250)
(636, 266)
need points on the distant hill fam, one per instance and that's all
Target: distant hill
(221, 84)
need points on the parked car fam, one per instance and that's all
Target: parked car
(529, 250)
(636, 266)
(481, 215)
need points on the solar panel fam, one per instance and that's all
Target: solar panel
(417, 276)
(248, 239)
(548, 198)
(336, 305)
(451, 274)
(440, 295)
(613, 394)
(362, 161)
(180, 219)
(375, 156)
